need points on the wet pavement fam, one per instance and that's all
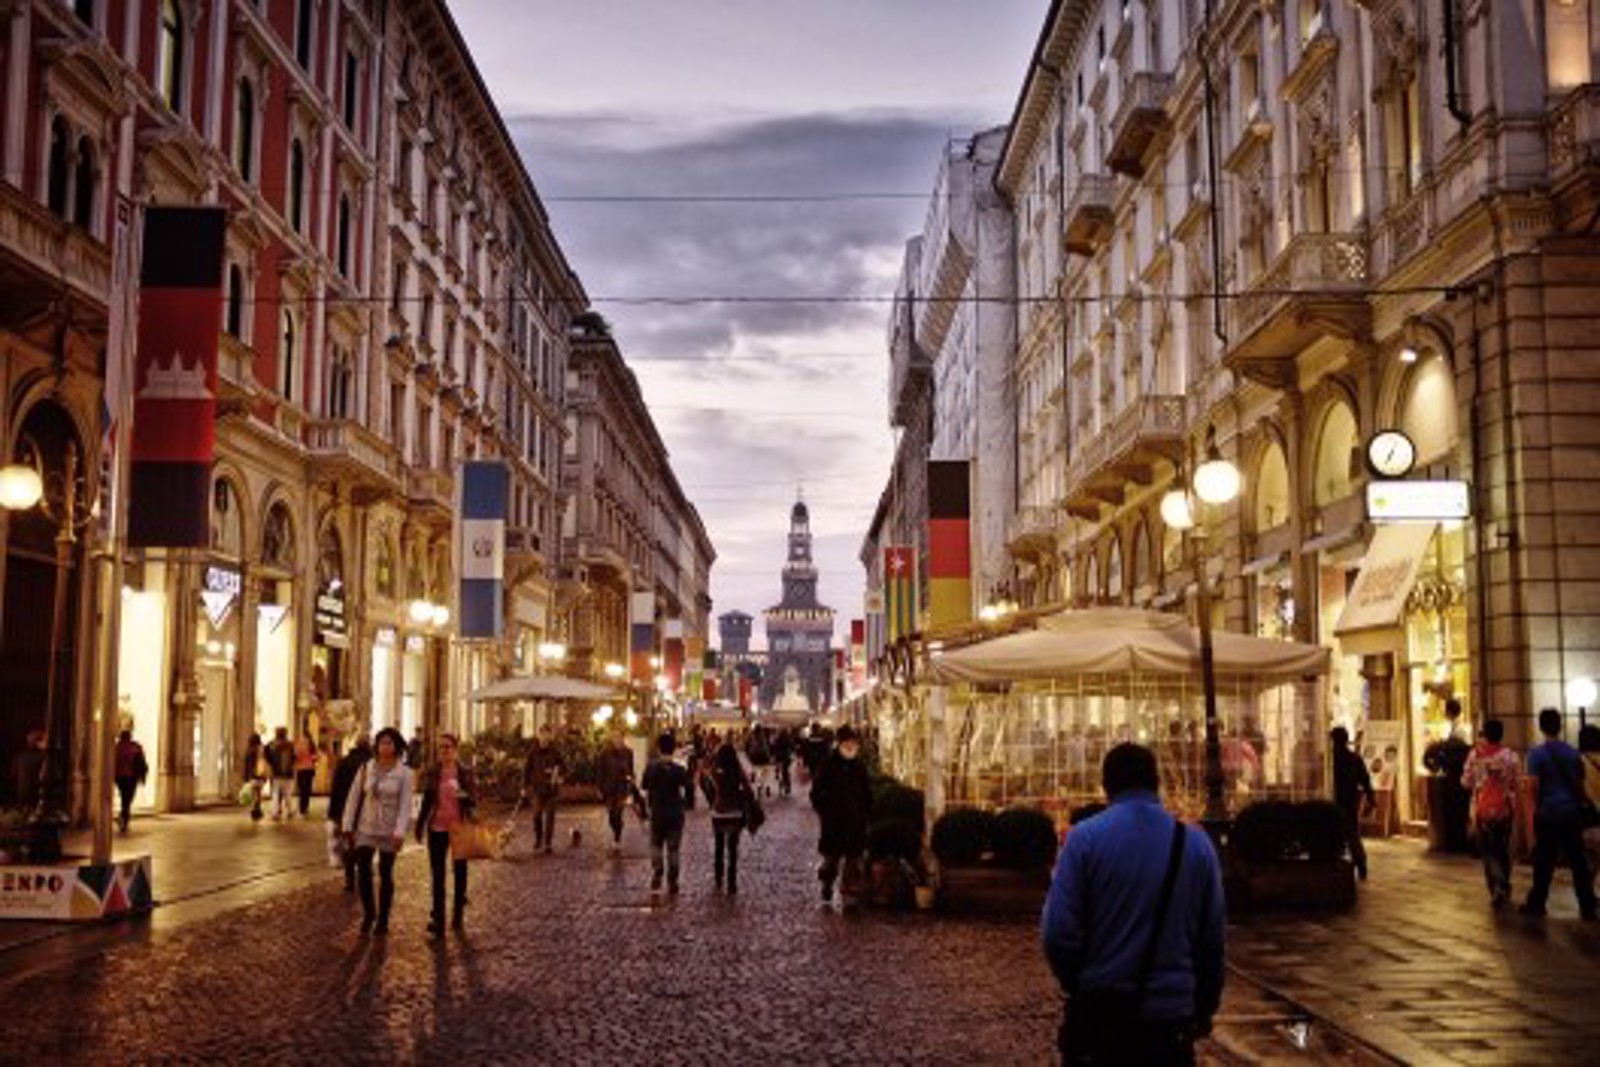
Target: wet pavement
(569, 959)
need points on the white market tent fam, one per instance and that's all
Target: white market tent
(544, 687)
(1122, 641)
(1025, 717)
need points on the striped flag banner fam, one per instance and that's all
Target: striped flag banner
(484, 492)
(673, 654)
(899, 592)
(642, 636)
(175, 378)
(949, 545)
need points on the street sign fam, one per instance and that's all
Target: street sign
(1417, 501)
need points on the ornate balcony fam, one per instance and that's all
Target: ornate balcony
(1317, 287)
(1126, 450)
(1140, 118)
(525, 553)
(1031, 532)
(432, 493)
(54, 256)
(236, 376)
(1088, 216)
(343, 450)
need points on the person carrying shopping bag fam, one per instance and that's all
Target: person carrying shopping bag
(448, 796)
(376, 818)
(732, 796)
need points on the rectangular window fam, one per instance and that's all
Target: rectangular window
(352, 74)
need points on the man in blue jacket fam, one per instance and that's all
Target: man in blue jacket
(1133, 926)
(1558, 819)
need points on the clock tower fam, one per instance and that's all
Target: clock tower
(799, 629)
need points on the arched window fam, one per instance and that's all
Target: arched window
(85, 182)
(170, 66)
(1114, 571)
(297, 184)
(58, 179)
(1272, 489)
(277, 538)
(344, 234)
(1428, 410)
(339, 378)
(235, 324)
(227, 522)
(286, 356)
(1335, 445)
(244, 130)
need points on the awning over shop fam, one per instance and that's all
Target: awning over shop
(544, 687)
(1375, 608)
(1122, 640)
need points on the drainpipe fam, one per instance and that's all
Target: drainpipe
(1452, 90)
(1061, 288)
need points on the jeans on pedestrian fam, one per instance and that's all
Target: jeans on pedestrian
(665, 839)
(544, 820)
(1153, 1044)
(302, 788)
(726, 855)
(615, 807)
(1352, 837)
(785, 783)
(364, 856)
(126, 787)
(282, 798)
(438, 850)
(1494, 848)
(1554, 838)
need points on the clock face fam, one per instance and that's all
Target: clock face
(1391, 454)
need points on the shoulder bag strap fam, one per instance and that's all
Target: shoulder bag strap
(361, 796)
(1163, 903)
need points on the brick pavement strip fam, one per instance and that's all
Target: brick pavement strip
(568, 960)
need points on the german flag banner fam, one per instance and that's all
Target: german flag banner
(174, 429)
(949, 545)
(899, 592)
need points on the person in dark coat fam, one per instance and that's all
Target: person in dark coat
(1350, 781)
(783, 756)
(542, 779)
(255, 772)
(732, 794)
(131, 771)
(617, 788)
(842, 797)
(668, 785)
(343, 776)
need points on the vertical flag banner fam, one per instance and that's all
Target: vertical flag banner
(949, 545)
(745, 693)
(175, 378)
(858, 654)
(642, 631)
(873, 609)
(672, 654)
(899, 592)
(485, 488)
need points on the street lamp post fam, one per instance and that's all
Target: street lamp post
(1216, 482)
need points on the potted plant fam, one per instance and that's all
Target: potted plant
(1289, 854)
(994, 863)
(894, 848)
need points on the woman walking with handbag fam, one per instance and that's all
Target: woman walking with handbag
(730, 799)
(448, 795)
(375, 820)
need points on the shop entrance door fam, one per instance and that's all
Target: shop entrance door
(411, 693)
(211, 740)
(383, 682)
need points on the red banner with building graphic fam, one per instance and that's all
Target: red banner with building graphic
(175, 378)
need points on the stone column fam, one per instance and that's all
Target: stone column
(176, 788)
(244, 711)
(19, 64)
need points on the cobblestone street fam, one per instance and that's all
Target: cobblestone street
(568, 959)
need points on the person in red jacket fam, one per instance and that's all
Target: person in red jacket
(131, 770)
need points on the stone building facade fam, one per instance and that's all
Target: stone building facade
(797, 678)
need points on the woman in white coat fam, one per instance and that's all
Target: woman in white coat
(376, 817)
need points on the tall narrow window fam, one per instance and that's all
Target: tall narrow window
(84, 9)
(339, 385)
(286, 357)
(244, 130)
(297, 184)
(352, 71)
(235, 321)
(344, 234)
(303, 14)
(398, 295)
(60, 169)
(85, 182)
(170, 66)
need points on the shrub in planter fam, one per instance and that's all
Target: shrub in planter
(895, 839)
(1321, 829)
(1024, 839)
(961, 837)
(1261, 831)
(894, 800)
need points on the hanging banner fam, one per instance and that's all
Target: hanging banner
(175, 378)
(673, 654)
(949, 545)
(482, 537)
(642, 634)
(899, 592)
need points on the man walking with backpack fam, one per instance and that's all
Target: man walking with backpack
(1493, 776)
(1133, 926)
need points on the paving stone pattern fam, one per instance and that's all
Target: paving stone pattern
(567, 959)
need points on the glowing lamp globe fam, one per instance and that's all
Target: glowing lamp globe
(441, 615)
(1581, 692)
(1216, 481)
(421, 612)
(20, 487)
(1175, 510)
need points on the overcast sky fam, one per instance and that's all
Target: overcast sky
(748, 99)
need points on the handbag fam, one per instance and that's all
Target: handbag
(754, 815)
(1101, 1024)
(474, 841)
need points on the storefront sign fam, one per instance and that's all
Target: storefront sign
(87, 893)
(385, 638)
(415, 645)
(1377, 600)
(222, 588)
(1407, 501)
(330, 619)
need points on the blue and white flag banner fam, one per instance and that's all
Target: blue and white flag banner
(484, 495)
